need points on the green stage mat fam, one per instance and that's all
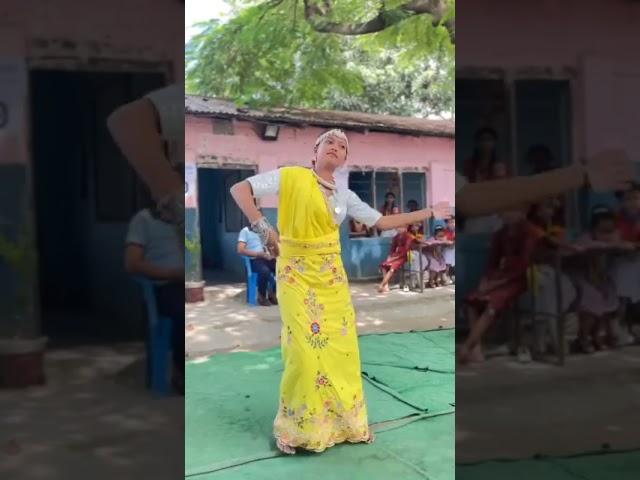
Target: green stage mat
(231, 400)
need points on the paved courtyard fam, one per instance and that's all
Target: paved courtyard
(96, 414)
(505, 409)
(224, 322)
(94, 419)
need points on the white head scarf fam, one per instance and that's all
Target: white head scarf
(341, 175)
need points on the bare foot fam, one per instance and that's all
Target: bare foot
(477, 355)
(372, 437)
(464, 356)
(284, 448)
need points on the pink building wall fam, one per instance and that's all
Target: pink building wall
(92, 34)
(114, 29)
(294, 146)
(594, 43)
(545, 32)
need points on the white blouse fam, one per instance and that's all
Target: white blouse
(169, 103)
(346, 201)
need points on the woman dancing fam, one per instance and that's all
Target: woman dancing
(321, 395)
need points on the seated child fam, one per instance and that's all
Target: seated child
(627, 268)
(435, 257)
(417, 259)
(598, 301)
(450, 252)
(398, 256)
(357, 229)
(504, 280)
(547, 218)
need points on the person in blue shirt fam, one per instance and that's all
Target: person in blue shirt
(154, 250)
(262, 262)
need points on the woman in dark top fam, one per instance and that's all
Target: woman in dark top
(480, 166)
(389, 207)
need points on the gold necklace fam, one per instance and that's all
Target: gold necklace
(328, 195)
(323, 182)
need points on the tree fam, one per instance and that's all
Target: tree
(422, 88)
(366, 55)
(387, 14)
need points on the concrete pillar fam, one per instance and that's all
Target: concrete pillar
(17, 233)
(21, 347)
(194, 284)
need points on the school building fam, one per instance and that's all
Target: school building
(66, 192)
(562, 74)
(412, 157)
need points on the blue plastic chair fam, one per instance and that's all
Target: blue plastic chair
(252, 282)
(159, 343)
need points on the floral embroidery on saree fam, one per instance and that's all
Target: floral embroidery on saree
(330, 264)
(316, 338)
(322, 381)
(332, 424)
(286, 273)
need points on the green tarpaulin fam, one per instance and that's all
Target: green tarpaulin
(231, 401)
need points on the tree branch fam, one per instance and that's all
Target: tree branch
(316, 15)
(271, 5)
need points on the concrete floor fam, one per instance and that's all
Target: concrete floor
(509, 410)
(95, 419)
(224, 322)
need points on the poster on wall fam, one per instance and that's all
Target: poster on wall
(190, 186)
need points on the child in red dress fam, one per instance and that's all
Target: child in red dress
(398, 256)
(504, 281)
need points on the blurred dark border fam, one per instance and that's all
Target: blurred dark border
(73, 331)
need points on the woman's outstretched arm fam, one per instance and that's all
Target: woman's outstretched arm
(440, 210)
(607, 171)
(484, 198)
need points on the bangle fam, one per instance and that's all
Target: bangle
(263, 228)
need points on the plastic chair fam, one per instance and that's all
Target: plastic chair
(159, 344)
(252, 282)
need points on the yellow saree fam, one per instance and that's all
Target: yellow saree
(321, 395)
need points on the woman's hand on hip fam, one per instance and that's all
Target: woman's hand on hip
(272, 243)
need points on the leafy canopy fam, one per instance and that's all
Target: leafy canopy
(365, 55)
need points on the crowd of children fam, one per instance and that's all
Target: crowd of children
(431, 260)
(599, 279)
